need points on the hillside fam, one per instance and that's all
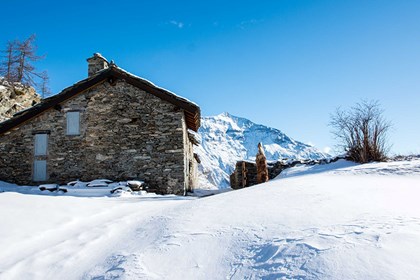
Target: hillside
(225, 139)
(336, 221)
(15, 98)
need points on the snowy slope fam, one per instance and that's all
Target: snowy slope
(337, 221)
(226, 139)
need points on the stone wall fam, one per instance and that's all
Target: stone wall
(190, 163)
(126, 133)
(245, 173)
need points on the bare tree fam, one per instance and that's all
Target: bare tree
(26, 73)
(18, 64)
(362, 131)
(44, 88)
(8, 67)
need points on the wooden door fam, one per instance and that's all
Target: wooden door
(40, 157)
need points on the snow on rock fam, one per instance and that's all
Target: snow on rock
(95, 188)
(341, 221)
(226, 139)
(405, 167)
(15, 98)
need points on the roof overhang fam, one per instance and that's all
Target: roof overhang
(111, 74)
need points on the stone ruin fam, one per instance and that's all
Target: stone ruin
(245, 173)
(261, 162)
(249, 173)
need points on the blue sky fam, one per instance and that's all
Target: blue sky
(287, 63)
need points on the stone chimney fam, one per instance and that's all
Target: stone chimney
(96, 63)
(262, 168)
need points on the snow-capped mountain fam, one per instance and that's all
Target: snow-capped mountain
(226, 139)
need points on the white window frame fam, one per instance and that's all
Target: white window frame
(73, 123)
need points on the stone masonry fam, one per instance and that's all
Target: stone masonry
(125, 133)
(245, 173)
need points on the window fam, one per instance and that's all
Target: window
(40, 144)
(73, 123)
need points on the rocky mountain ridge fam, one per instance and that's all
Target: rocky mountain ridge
(14, 98)
(225, 139)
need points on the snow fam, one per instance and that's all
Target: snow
(406, 167)
(303, 169)
(335, 221)
(225, 139)
(95, 188)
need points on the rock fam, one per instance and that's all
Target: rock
(14, 98)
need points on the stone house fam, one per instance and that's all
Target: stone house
(112, 125)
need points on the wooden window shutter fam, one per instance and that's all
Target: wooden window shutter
(40, 170)
(41, 144)
(73, 123)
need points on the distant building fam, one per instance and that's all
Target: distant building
(111, 125)
(245, 173)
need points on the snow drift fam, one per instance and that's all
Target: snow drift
(336, 221)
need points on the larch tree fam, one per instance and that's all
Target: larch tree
(18, 65)
(8, 65)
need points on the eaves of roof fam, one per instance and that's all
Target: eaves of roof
(111, 74)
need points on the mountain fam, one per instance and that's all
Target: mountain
(225, 139)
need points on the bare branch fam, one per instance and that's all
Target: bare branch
(362, 131)
(17, 64)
